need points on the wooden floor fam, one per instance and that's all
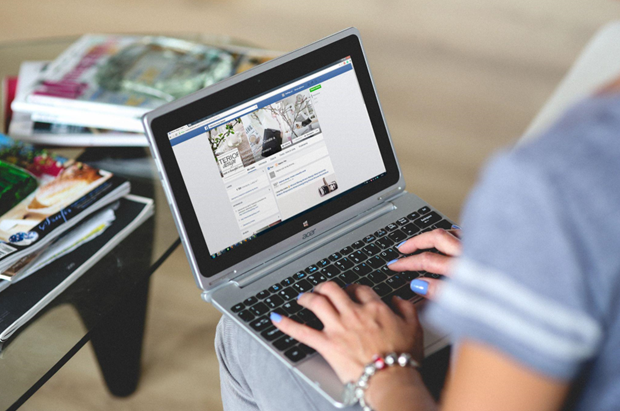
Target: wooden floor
(457, 80)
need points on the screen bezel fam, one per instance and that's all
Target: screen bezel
(246, 89)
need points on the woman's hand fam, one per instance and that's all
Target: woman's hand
(446, 242)
(357, 326)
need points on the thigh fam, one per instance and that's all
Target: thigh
(252, 378)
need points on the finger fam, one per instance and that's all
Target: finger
(427, 287)
(427, 261)
(456, 232)
(439, 239)
(300, 332)
(405, 309)
(361, 293)
(321, 307)
(336, 296)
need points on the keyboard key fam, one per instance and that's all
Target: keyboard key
(295, 354)
(246, 315)
(316, 279)
(397, 236)
(302, 286)
(445, 224)
(371, 250)
(344, 264)
(291, 307)
(346, 250)
(395, 281)
(382, 289)
(362, 269)
(405, 292)
(250, 301)
(358, 256)
(299, 275)
(348, 277)
(357, 244)
(375, 262)
(376, 277)
(410, 229)
(288, 293)
(410, 275)
(306, 349)
(391, 227)
(263, 294)
(312, 269)
(275, 288)
(402, 221)
(259, 309)
(384, 242)
(323, 263)
(273, 301)
(369, 239)
(316, 324)
(424, 210)
(389, 254)
(271, 334)
(338, 281)
(238, 307)
(287, 281)
(365, 281)
(284, 342)
(335, 256)
(428, 220)
(413, 215)
(260, 324)
(307, 315)
(380, 232)
(330, 271)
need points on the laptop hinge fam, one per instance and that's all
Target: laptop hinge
(294, 254)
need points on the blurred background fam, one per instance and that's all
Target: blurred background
(458, 80)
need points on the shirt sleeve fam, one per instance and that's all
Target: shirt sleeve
(520, 285)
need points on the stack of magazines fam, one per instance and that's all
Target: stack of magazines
(96, 91)
(51, 206)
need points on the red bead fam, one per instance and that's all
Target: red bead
(380, 363)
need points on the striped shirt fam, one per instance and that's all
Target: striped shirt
(539, 278)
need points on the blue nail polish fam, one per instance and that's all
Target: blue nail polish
(419, 287)
(398, 246)
(299, 295)
(455, 227)
(392, 262)
(275, 317)
(346, 285)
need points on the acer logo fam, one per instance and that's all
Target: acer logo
(308, 234)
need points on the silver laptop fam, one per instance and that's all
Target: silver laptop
(283, 177)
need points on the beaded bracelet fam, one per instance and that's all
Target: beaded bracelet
(354, 392)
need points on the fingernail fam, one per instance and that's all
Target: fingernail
(300, 294)
(419, 286)
(392, 262)
(455, 227)
(346, 285)
(398, 246)
(275, 317)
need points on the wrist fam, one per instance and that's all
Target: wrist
(390, 382)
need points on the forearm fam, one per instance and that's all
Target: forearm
(399, 389)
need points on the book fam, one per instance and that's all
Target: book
(108, 82)
(22, 301)
(43, 195)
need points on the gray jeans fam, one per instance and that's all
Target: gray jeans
(253, 379)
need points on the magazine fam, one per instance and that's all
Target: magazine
(110, 81)
(43, 195)
(22, 301)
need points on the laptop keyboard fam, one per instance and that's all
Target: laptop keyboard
(363, 262)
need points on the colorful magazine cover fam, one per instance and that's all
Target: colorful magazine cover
(42, 195)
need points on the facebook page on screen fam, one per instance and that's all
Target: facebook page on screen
(258, 164)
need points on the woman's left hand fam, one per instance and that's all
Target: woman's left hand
(357, 326)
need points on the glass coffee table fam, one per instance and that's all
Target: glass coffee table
(107, 304)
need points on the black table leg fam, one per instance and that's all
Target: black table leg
(118, 342)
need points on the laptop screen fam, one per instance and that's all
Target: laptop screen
(278, 155)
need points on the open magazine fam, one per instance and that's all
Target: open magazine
(43, 195)
(110, 81)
